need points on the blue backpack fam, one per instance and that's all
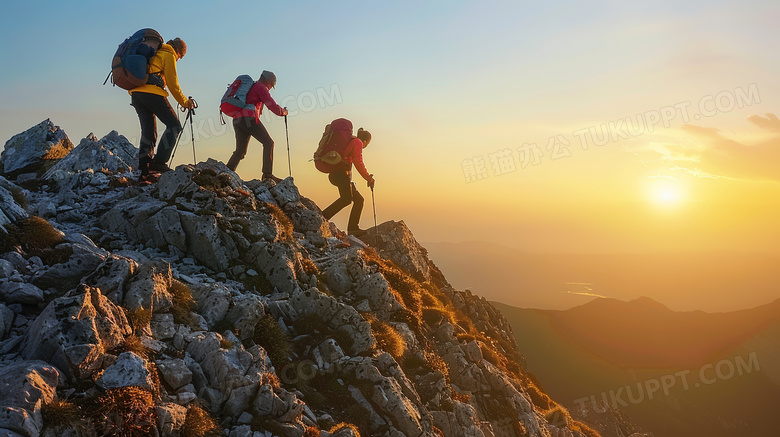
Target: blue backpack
(234, 99)
(128, 67)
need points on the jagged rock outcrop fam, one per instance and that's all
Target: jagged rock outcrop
(75, 331)
(207, 292)
(26, 151)
(109, 155)
(10, 210)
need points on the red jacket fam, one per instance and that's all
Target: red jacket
(259, 95)
(353, 154)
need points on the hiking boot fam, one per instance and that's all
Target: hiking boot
(159, 166)
(146, 179)
(270, 177)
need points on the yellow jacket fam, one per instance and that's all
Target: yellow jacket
(164, 61)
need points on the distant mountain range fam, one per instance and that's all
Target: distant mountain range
(714, 282)
(673, 373)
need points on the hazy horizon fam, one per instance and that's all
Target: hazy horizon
(685, 281)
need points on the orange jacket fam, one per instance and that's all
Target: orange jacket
(164, 61)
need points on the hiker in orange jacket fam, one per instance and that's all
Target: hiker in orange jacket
(342, 179)
(247, 124)
(150, 100)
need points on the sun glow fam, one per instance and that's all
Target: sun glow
(666, 193)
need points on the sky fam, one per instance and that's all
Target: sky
(556, 127)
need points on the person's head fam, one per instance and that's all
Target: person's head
(364, 136)
(268, 79)
(179, 46)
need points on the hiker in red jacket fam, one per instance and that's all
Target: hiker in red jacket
(353, 154)
(247, 124)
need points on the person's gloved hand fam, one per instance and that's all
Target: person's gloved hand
(371, 181)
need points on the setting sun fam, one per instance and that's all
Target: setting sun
(665, 193)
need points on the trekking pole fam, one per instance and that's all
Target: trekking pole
(178, 137)
(190, 113)
(376, 231)
(287, 134)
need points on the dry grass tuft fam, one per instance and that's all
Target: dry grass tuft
(139, 318)
(199, 423)
(126, 411)
(286, 231)
(36, 237)
(270, 379)
(183, 303)
(539, 398)
(311, 432)
(343, 425)
(271, 337)
(133, 344)
(225, 344)
(388, 339)
(309, 267)
(60, 413)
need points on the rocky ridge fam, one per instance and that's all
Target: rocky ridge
(208, 305)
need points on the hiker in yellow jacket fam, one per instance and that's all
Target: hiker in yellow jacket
(150, 100)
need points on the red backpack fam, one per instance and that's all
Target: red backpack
(329, 156)
(234, 99)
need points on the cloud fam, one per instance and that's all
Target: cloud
(675, 152)
(770, 123)
(723, 157)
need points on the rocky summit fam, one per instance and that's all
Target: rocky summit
(206, 305)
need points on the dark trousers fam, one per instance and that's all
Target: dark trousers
(148, 106)
(245, 128)
(348, 194)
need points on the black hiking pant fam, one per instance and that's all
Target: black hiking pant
(245, 128)
(349, 194)
(148, 106)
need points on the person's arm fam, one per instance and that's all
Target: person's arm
(265, 97)
(172, 79)
(357, 159)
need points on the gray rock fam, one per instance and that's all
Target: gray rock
(129, 370)
(6, 269)
(247, 311)
(47, 209)
(241, 431)
(20, 292)
(112, 275)
(397, 243)
(85, 259)
(275, 261)
(25, 151)
(149, 287)
(111, 154)
(240, 399)
(335, 315)
(213, 301)
(17, 261)
(207, 242)
(10, 211)
(24, 387)
(6, 320)
(330, 351)
(162, 326)
(73, 332)
(170, 418)
(175, 372)
(176, 183)
(286, 193)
